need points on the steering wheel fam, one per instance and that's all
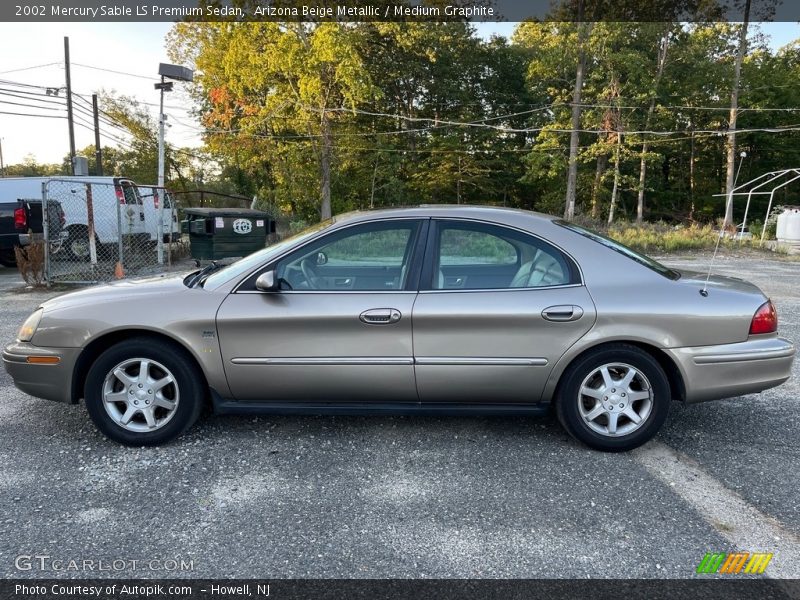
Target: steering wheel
(309, 272)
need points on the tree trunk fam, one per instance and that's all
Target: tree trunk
(325, 168)
(691, 175)
(602, 162)
(615, 189)
(662, 59)
(374, 177)
(572, 172)
(731, 145)
(458, 182)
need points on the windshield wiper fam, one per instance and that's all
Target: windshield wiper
(202, 273)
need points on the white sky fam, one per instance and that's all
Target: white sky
(134, 48)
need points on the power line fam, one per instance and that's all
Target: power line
(29, 85)
(116, 72)
(31, 95)
(30, 68)
(2, 112)
(29, 98)
(28, 105)
(82, 96)
(101, 118)
(81, 122)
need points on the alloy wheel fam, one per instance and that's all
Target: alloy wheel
(615, 399)
(140, 395)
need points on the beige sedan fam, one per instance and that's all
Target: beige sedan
(426, 310)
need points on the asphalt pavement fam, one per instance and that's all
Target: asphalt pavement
(386, 497)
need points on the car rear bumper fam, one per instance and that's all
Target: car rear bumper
(48, 381)
(714, 372)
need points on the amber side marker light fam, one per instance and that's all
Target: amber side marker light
(43, 360)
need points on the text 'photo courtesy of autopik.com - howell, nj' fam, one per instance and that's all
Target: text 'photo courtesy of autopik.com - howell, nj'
(399, 299)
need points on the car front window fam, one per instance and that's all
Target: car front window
(367, 257)
(253, 261)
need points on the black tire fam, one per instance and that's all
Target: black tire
(567, 401)
(78, 238)
(189, 382)
(8, 258)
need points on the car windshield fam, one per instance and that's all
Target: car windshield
(622, 249)
(252, 261)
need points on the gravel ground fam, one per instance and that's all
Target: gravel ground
(380, 497)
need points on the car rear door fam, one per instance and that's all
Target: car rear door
(133, 218)
(496, 310)
(339, 330)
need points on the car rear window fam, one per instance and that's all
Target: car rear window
(648, 262)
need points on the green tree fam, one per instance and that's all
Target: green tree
(277, 89)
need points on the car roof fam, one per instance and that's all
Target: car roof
(488, 213)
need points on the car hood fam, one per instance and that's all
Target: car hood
(718, 282)
(118, 290)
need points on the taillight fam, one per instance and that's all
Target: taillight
(765, 320)
(120, 194)
(20, 219)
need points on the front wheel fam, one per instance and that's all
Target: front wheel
(614, 398)
(144, 392)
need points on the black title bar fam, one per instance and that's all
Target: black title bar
(735, 588)
(396, 10)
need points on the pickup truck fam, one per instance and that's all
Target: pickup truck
(21, 223)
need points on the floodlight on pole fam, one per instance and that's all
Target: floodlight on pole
(177, 73)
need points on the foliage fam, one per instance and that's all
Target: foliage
(30, 168)
(407, 113)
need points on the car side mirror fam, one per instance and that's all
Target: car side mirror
(322, 259)
(267, 282)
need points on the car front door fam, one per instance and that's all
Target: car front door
(497, 308)
(339, 330)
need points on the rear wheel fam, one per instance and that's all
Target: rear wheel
(614, 399)
(144, 392)
(77, 243)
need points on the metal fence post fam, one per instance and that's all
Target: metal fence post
(120, 256)
(46, 234)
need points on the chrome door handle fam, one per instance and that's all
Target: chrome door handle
(380, 316)
(566, 312)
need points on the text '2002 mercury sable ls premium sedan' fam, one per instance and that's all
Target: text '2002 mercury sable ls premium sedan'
(430, 309)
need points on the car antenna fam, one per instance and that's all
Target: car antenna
(704, 291)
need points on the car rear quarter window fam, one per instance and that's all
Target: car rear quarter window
(642, 259)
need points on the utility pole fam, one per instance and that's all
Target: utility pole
(164, 86)
(69, 108)
(98, 152)
(2, 166)
(178, 73)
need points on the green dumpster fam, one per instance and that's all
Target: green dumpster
(225, 232)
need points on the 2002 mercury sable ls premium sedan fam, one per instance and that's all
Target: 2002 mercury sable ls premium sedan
(430, 309)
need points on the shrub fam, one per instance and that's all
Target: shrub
(30, 262)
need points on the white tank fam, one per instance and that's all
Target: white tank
(788, 229)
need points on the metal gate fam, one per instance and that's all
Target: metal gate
(98, 231)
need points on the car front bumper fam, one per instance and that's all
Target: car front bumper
(725, 371)
(48, 381)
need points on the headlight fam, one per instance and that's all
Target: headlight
(29, 326)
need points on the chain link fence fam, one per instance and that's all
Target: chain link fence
(98, 231)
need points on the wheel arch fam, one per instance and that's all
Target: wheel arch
(674, 376)
(103, 342)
